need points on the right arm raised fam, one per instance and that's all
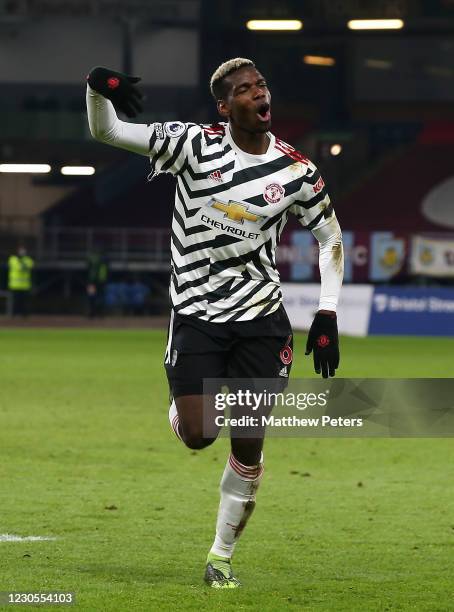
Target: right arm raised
(106, 127)
(165, 144)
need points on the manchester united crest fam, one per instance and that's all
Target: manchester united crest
(274, 192)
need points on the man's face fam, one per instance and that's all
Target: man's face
(248, 102)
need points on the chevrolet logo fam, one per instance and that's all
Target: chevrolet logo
(235, 211)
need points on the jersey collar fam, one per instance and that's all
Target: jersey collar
(250, 156)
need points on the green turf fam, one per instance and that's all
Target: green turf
(86, 455)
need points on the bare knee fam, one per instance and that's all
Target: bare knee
(196, 441)
(193, 426)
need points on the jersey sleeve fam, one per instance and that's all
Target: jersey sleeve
(106, 127)
(315, 212)
(312, 206)
(164, 143)
(169, 146)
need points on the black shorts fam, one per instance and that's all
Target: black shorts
(197, 349)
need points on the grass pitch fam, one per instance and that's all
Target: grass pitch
(87, 456)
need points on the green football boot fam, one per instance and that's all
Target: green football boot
(219, 574)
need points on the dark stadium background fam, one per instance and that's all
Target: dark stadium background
(386, 98)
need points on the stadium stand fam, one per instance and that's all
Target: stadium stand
(390, 197)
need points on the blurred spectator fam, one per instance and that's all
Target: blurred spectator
(115, 297)
(20, 268)
(129, 298)
(97, 274)
(136, 297)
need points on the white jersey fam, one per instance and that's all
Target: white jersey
(230, 209)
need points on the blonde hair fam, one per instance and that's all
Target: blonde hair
(216, 81)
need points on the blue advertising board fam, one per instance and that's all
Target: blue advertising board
(412, 311)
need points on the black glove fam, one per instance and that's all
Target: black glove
(323, 339)
(117, 87)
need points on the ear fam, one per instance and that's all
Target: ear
(223, 109)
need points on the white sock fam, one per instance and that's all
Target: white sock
(239, 486)
(174, 420)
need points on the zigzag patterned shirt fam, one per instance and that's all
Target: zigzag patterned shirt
(230, 209)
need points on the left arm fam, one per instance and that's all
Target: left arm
(315, 212)
(331, 263)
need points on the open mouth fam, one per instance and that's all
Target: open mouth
(263, 112)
